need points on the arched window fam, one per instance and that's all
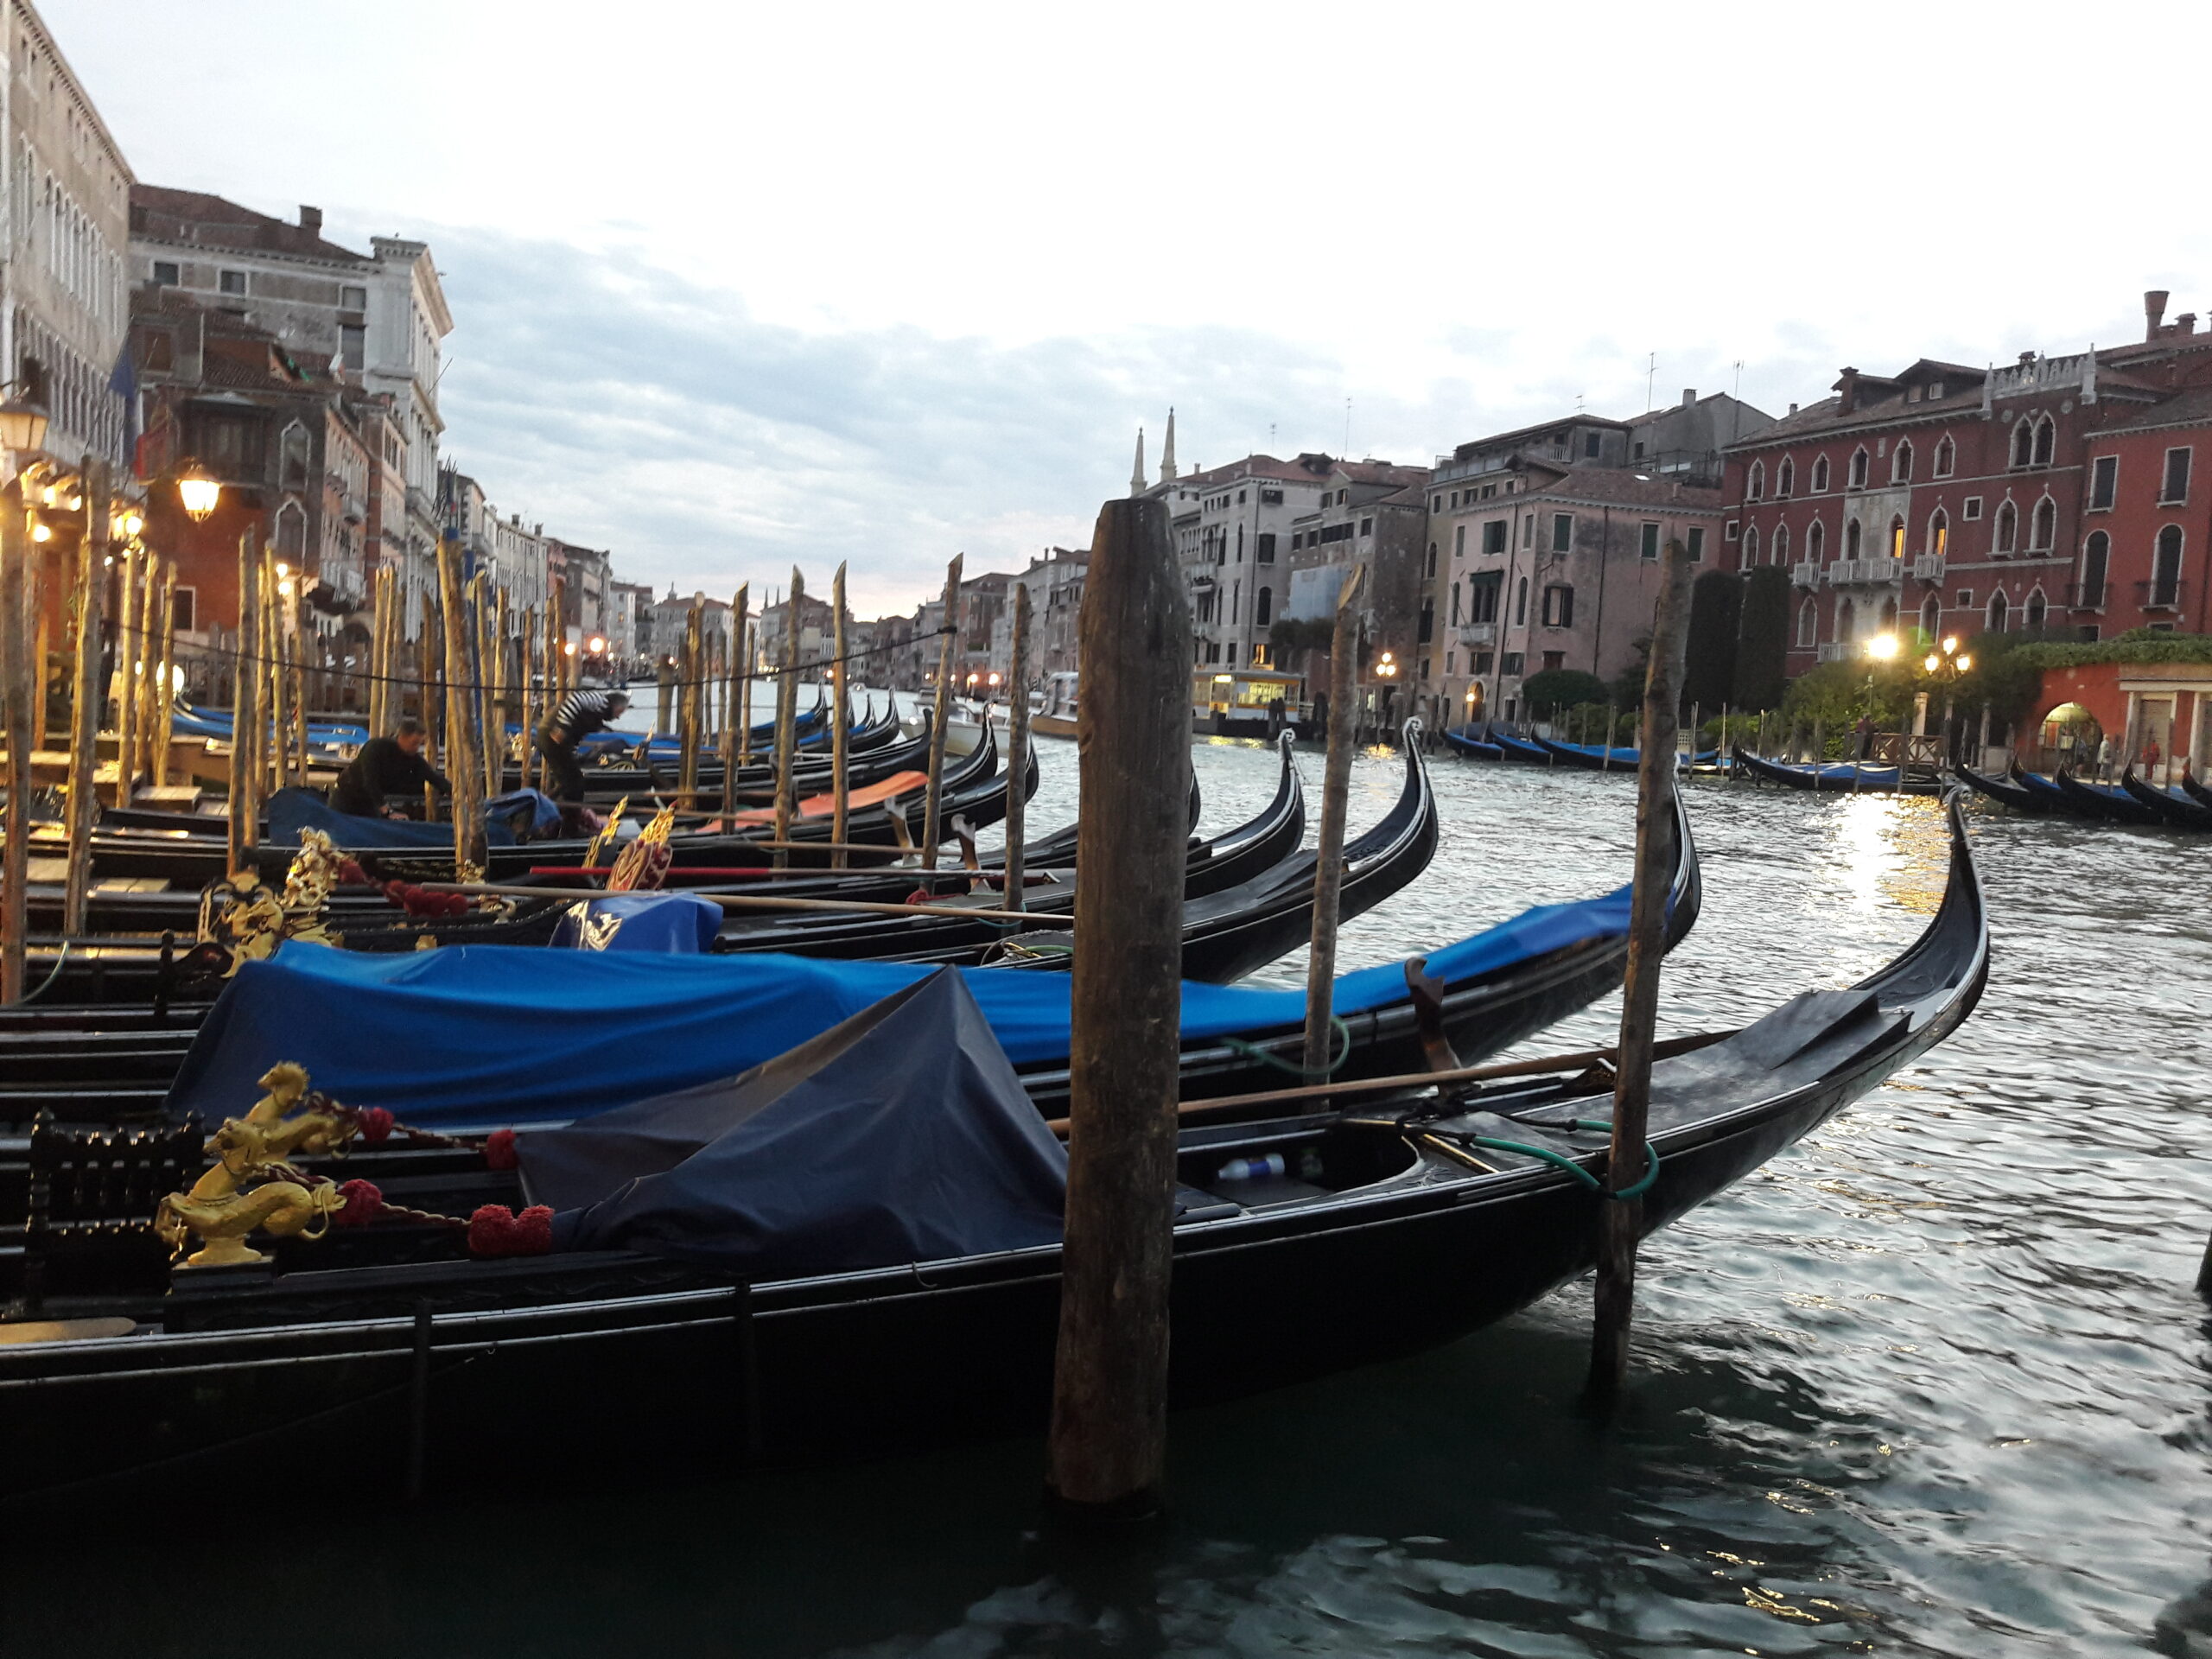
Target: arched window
(2038, 607)
(1888, 615)
(1263, 607)
(2096, 554)
(1432, 558)
(1846, 620)
(1998, 611)
(1758, 486)
(1939, 533)
(1751, 546)
(1521, 604)
(2043, 528)
(1851, 539)
(1785, 476)
(2046, 440)
(292, 533)
(2165, 569)
(1859, 469)
(1815, 542)
(2008, 529)
(2024, 442)
(1901, 462)
(1781, 544)
(1947, 457)
(1896, 535)
(1808, 623)
(1820, 473)
(1931, 617)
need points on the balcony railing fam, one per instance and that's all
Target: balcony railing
(1846, 573)
(1478, 633)
(1805, 574)
(1834, 651)
(1929, 567)
(2157, 596)
(2087, 595)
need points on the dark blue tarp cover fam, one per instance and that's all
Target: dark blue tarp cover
(678, 923)
(901, 1135)
(486, 1034)
(291, 810)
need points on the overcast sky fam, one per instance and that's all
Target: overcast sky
(739, 286)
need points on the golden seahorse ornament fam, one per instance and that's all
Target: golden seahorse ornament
(222, 1209)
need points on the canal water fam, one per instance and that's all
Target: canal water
(1933, 1383)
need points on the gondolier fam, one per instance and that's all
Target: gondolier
(578, 715)
(386, 766)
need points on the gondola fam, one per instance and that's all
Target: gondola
(1590, 757)
(2006, 792)
(2176, 811)
(1379, 1224)
(1520, 749)
(2101, 802)
(1831, 776)
(1464, 741)
(2195, 790)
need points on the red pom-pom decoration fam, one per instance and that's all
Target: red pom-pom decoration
(499, 1150)
(363, 1204)
(351, 874)
(375, 1124)
(533, 1233)
(490, 1231)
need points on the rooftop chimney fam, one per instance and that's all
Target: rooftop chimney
(1793, 409)
(311, 220)
(1848, 387)
(2186, 322)
(2154, 310)
(1689, 395)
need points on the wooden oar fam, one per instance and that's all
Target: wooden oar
(1430, 1079)
(763, 902)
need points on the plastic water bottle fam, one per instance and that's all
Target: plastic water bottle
(1251, 1169)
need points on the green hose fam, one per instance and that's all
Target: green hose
(1342, 1042)
(1547, 1155)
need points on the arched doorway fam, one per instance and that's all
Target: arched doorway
(2069, 736)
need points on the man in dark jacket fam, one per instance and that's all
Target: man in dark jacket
(580, 714)
(387, 766)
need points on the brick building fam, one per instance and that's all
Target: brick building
(2055, 493)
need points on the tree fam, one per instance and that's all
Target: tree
(1716, 617)
(1762, 639)
(1836, 693)
(1560, 687)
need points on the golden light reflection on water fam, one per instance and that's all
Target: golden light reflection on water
(1890, 849)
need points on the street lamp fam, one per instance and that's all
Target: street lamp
(22, 425)
(198, 492)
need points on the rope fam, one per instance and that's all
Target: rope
(1560, 1161)
(47, 984)
(1254, 1052)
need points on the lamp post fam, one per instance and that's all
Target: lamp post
(1946, 666)
(22, 693)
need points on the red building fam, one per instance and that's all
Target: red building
(2057, 494)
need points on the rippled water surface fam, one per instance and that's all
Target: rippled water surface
(1934, 1382)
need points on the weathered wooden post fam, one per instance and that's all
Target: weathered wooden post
(1329, 856)
(786, 717)
(1620, 1220)
(127, 575)
(735, 743)
(464, 768)
(85, 714)
(751, 641)
(841, 787)
(688, 704)
(1107, 1452)
(941, 718)
(165, 686)
(245, 686)
(21, 688)
(1017, 749)
(148, 655)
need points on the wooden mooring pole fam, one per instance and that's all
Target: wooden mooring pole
(1336, 796)
(84, 711)
(787, 715)
(1017, 749)
(21, 685)
(841, 786)
(740, 691)
(245, 684)
(1620, 1220)
(1107, 1452)
(940, 719)
(690, 700)
(464, 710)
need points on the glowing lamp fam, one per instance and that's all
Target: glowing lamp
(1950, 643)
(22, 425)
(598, 645)
(1932, 662)
(1966, 665)
(568, 647)
(128, 524)
(1882, 647)
(199, 494)
(41, 533)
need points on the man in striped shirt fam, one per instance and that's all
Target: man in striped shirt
(580, 714)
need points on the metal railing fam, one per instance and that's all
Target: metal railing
(2157, 595)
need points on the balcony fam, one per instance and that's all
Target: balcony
(1852, 573)
(2087, 595)
(1478, 633)
(1805, 574)
(2157, 596)
(1929, 567)
(1835, 650)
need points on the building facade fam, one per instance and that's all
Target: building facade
(1231, 527)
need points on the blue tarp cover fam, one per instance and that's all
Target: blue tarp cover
(486, 1034)
(901, 1135)
(291, 810)
(671, 924)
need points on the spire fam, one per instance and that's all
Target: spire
(1167, 450)
(1136, 478)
